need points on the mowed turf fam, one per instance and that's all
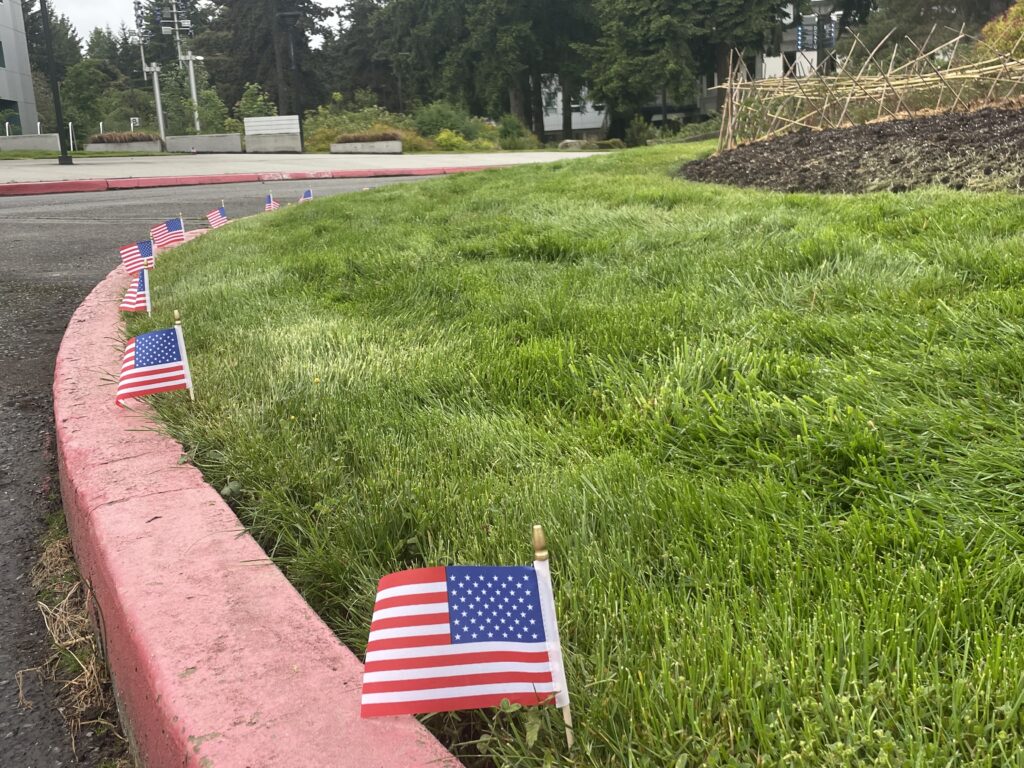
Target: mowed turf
(776, 441)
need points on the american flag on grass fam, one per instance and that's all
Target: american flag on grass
(137, 256)
(170, 232)
(217, 218)
(271, 204)
(153, 362)
(463, 637)
(307, 196)
(137, 297)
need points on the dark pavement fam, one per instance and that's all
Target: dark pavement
(53, 250)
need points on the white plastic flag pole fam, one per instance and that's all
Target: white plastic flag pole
(184, 356)
(547, 608)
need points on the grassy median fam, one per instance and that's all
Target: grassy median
(776, 442)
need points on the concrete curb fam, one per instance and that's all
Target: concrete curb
(217, 661)
(18, 188)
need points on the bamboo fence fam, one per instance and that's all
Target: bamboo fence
(962, 73)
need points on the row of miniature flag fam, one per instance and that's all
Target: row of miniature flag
(138, 257)
(441, 639)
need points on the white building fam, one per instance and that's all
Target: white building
(589, 120)
(17, 97)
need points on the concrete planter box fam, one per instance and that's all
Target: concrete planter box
(46, 141)
(273, 142)
(367, 148)
(126, 146)
(210, 143)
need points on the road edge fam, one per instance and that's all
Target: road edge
(216, 660)
(26, 188)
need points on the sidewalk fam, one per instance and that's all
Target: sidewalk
(30, 171)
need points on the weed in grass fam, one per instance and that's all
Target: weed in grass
(775, 441)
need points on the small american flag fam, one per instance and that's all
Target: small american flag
(170, 232)
(137, 297)
(137, 256)
(463, 637)
(271, 204)
(154, 362)
(307, 196)
(217, 218)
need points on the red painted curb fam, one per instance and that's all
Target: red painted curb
(217, 661)
(153, 182)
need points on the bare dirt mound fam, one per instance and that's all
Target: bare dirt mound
(982, 150)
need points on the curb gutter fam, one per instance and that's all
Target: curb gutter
(18, 188)
(217, 661)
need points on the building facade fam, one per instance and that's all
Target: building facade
(17, 96)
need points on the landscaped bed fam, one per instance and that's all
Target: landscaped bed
(981, 150)
(775, 440)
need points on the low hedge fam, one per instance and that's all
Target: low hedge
(122, 137)
(363, 138)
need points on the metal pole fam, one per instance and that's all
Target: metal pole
(154, 69)
(65, 158)
(142, 52)
(177, 32)
(190, 58)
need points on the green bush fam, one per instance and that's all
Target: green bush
(450, 141)
(371, 136)
(638, 132)
(433, 118)
(255, 102)
(122, 137)
(323, 125)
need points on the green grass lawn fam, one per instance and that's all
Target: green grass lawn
(776, 441)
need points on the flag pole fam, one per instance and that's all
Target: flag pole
(184, 356)
(540, 552)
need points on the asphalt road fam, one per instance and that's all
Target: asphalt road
(53, 250)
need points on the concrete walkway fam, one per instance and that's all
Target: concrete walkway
(202, 165)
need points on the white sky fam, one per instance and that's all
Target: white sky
(87, 14)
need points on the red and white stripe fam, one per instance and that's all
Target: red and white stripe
(133, 261)
(134, 301)
(412, 666)
(152, 379)
(163, 237)
(216, 219)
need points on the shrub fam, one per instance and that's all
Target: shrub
(362, 138)
(638, 132)
(611, 144)
(433, 118)
(324, 124)
(450, 141)
(483, 144)
(511, 127)
(255, 102)
(122, 137)
(529, 141)
(1003, 32)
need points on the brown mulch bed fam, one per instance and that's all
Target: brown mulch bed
(981, 150)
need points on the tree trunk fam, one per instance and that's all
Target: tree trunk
(664, 107)
(537, 102)
(275, 37)
(517, 104)
(566, 85)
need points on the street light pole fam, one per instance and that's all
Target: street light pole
(154, 69)
(191, 58)
(65, 158)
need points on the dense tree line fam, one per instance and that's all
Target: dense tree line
(490, 56)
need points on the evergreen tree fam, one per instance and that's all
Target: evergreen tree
(67, 45)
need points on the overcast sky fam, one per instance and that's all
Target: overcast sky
(87, 14)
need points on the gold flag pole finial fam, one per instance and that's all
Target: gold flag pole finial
(177, 318)
(540, 543)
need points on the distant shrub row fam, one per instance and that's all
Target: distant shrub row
(122, 137)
